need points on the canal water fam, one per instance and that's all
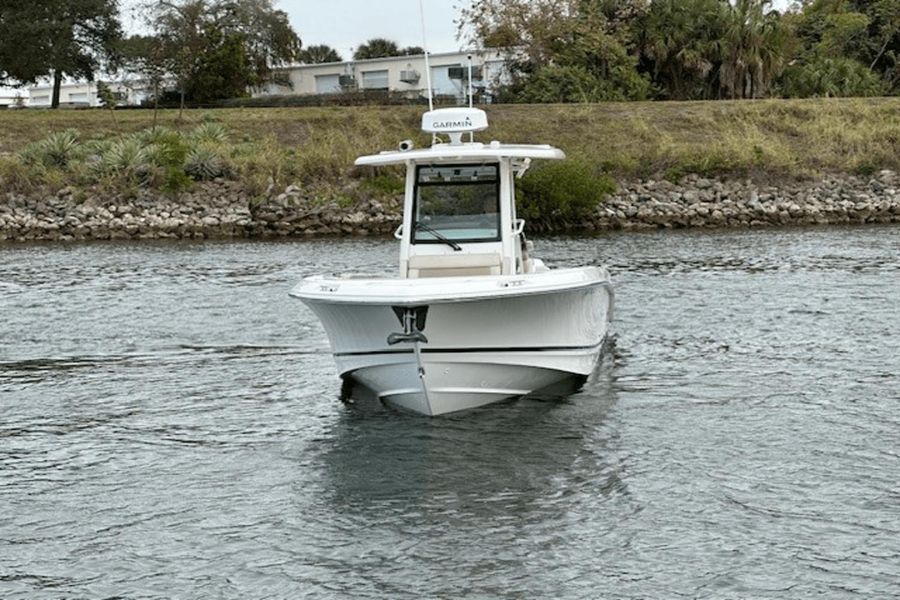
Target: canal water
(170, 427)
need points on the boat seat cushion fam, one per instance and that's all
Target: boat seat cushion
(454, 265)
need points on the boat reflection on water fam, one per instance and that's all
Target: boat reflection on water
(492, 468)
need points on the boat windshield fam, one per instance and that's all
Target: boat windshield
(457, 203)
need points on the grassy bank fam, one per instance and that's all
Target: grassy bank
(315, 146)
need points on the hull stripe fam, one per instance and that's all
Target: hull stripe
(470, 350)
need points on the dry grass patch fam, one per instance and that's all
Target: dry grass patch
(316, 145)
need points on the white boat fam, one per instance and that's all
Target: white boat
(472, 317)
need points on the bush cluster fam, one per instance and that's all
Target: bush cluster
(561, 193)
(158, 158)
(169, 160)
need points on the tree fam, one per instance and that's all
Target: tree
(180, 34)
(108, 101)
(680, 46)
(267, 36)
(222, 69)
(886, 24)
(376, 48)
(220, 48)
(752, 49)
(528, 32)
(836, 28)
(147, 57)
(314, 55)
(58, 38)
(845, 47)
(558, 50)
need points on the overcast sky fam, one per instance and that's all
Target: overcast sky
(345, 24)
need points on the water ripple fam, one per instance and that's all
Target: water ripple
(171, 428)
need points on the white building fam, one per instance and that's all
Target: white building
(77, 94)
(402, 74)
(12, 97)
(397, 74)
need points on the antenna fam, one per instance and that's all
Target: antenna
(427, 63)
(471, 96)
(471, 93)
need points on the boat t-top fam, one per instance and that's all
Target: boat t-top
(472, 317)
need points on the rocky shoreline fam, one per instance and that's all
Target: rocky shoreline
(700, 202)
(222, 209)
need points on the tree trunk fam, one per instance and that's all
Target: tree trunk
(155, 100)
(884, 46)
(181, 106)
(57, 85)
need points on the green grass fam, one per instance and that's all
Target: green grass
(767, 138)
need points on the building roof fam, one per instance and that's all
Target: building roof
(400, 58)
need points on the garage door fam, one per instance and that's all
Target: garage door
(327, 84)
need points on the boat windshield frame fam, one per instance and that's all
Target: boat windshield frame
(415, 204)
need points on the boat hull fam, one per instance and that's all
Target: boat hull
(454, 382)
(478, 350)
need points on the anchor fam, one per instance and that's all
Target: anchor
(412, 318)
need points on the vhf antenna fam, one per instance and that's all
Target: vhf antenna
(471, 91)
(427, 65)
(471, 96)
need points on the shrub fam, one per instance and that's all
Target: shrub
(126, 157)
(205, 162)
(554, 83)
(168, 150)
(561, 193)
(80, 174)
(55, 150)
(155, 135)
(94, 150)
(55, 179)
(126, 160)
(714, 161)
(866, 168)
(209, 132)
(174, 179)
(264, 166)
(830, 78)
(15, 175)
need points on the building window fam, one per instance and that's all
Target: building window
(375, 80)
(40, 99)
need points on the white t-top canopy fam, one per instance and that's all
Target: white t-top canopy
(471, 151)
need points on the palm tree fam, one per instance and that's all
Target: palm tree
(315, 55)
(752, 49)
(680, 40)
(376, 48)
